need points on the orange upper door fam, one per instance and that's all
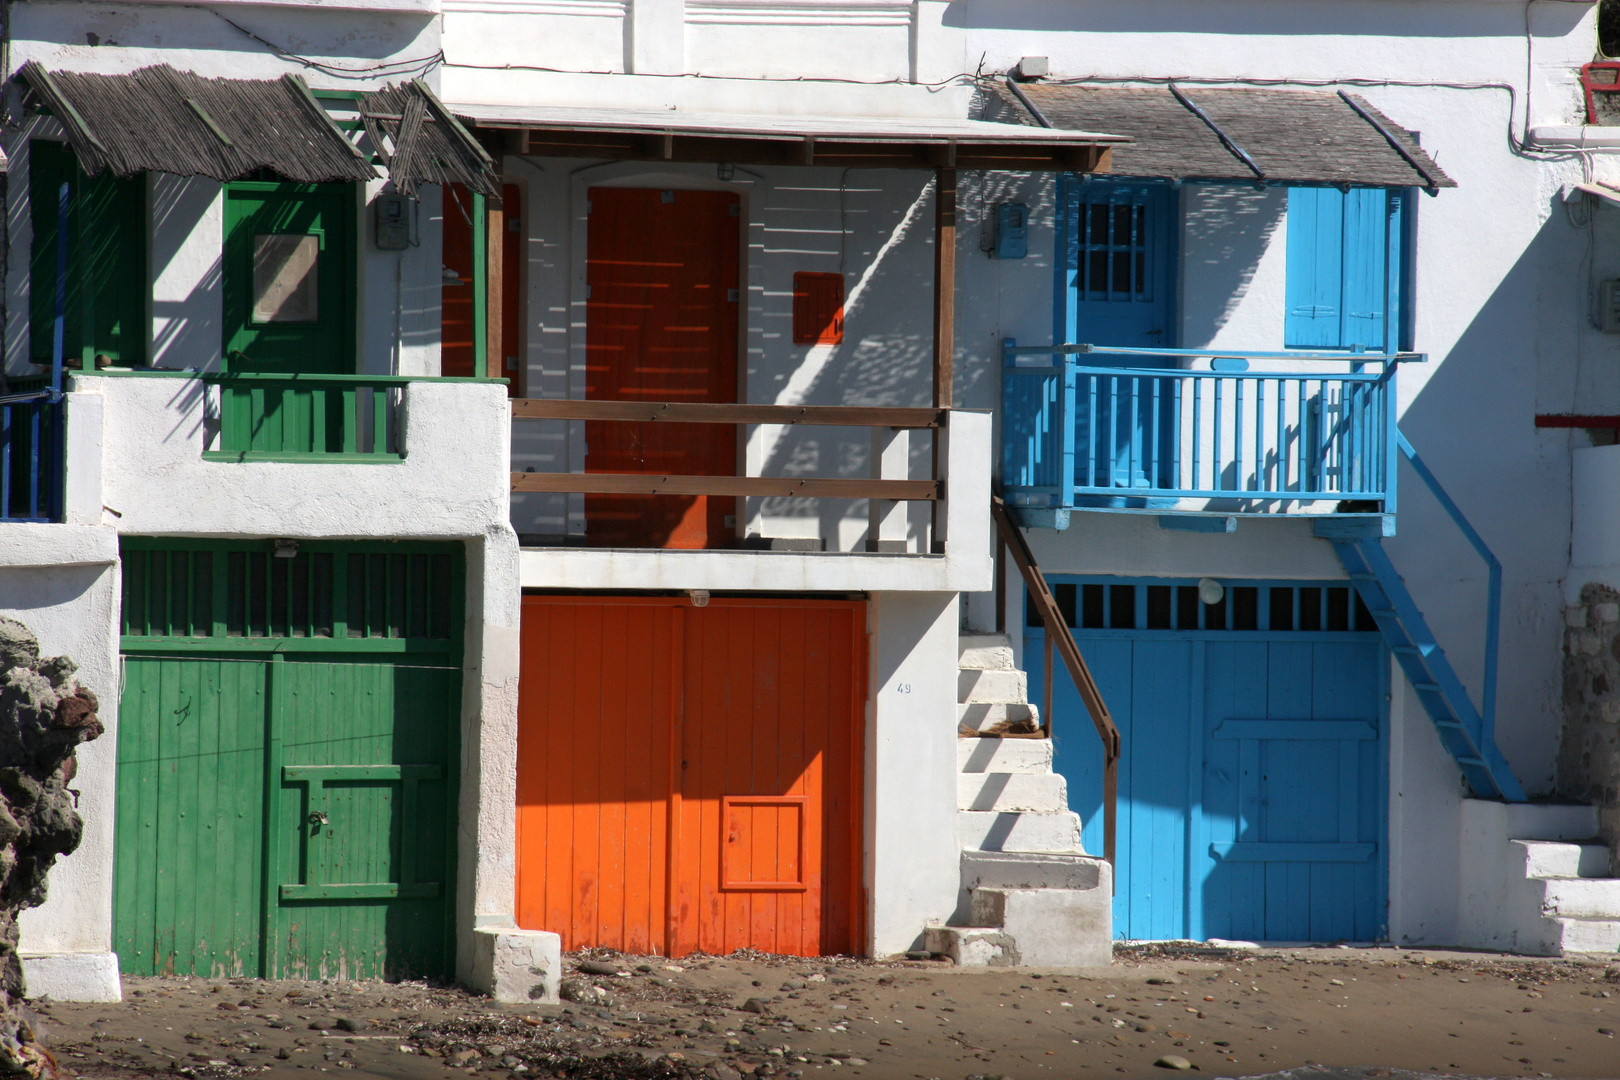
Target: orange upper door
(689, 778)
(661, 325)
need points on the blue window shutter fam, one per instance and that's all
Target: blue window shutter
(1366, 246)
(1315, 290)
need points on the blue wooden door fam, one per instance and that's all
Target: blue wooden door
(1252, 786)
(1115, 287)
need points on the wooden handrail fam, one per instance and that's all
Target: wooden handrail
(1057, 632)
(695, 412)
(741, 486)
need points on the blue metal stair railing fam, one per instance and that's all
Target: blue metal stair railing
(1469, 734)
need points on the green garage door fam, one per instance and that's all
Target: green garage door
(287, 753)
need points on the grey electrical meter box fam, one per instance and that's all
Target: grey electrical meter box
(1012, 230)
(393, 222)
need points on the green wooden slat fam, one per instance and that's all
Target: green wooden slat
(305, 774)
(379, 421)
(361, 891)
(351, 420)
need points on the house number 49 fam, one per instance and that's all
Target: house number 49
(902, 688)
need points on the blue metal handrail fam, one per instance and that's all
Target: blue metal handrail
(1493, 610)
(1081, 432)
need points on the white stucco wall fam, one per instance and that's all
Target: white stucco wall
(912, 851)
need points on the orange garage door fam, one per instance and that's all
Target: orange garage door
(689, 778)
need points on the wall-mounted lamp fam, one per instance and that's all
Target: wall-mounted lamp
(448, 276)
(1211, 591)
(286, 549)
(700, 597)
(725, 171)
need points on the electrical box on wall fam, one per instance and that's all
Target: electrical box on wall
(393, 223)
(1012, 230)
(1608, 313)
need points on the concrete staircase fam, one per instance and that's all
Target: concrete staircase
(1030, 894)
(1534, 882)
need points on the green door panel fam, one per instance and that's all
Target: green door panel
(191, 742)
(363, 827)
(289, 278)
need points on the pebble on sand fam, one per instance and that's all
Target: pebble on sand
(1173, 1061)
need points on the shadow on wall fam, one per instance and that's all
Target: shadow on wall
(882, 242)
(1473, 421)
(186, 331)
(1246, 17)
(1225, 232)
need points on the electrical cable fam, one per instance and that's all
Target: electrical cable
(420, 65)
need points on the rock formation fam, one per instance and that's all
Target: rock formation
(44, 715)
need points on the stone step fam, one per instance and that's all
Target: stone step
(1051, 927)
(982, 715)
(1032, 870)
(992, 687)
(1581, 898)
(986, 830)
(1557, 858)
(1004, 755)
(1585, 936)
(971, 946)
(984, 652)
(1004, 791)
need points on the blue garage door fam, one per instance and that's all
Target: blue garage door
(1252, 787)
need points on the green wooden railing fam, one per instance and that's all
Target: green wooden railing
(328, 418)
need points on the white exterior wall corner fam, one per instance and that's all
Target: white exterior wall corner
(912, 858)
(62, 581)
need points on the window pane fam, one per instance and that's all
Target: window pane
(285, 278)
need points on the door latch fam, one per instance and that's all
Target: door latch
(317, 817)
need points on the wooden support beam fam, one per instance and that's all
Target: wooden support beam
(695, 412)
(944, 285)
(494, 279)
(780, 486)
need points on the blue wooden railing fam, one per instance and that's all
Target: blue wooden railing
(1094, 426)
(31, 452)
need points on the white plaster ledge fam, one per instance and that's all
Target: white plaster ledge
(26, 545)
(72, 976)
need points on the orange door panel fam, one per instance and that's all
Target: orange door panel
(661, 325)
(689, 778)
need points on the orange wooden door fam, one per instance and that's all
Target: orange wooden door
(661, 325)
(689, 778)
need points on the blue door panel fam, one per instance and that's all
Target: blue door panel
(1251, 785)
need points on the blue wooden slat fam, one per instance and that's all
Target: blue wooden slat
(1293, 853)
(1366, 274)
(1294, 729)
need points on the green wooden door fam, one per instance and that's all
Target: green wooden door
(287, 754)
(191, 742)
(289, 278)
(362, 831)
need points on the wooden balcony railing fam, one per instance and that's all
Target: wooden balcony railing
(1081, 431)
(875, 487)
(328, 418)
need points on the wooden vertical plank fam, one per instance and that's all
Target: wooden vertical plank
(494, 284)
(944, 286)
(481, 285)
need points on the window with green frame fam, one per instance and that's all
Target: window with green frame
(106, 298)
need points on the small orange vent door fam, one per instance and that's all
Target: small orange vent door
(689, 778)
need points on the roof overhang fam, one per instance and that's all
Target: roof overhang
(1233, 135)
(160, 119)
(750, 139)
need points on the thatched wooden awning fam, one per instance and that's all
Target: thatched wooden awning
(160, 119)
